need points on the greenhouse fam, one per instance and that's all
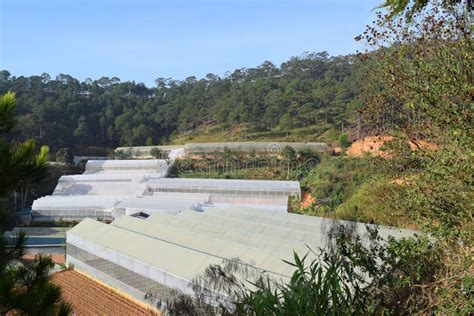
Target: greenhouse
(145, 152)
(272, 148)
(119, 253)
(267, 194)
(191, 149)
(153, 166)
(74, 207)
(262, 188)
(112, 188)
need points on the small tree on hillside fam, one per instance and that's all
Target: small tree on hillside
(344, 141)
(157, 153)
(82, 130)
(289, 155)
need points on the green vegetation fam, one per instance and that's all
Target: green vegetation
(64, 155)
(234, 164)
(418, 87)
(420, 91)
(344, 141)
(352, 279)
(300, 100)
(24, 286)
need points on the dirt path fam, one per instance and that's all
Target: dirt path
(88, 297)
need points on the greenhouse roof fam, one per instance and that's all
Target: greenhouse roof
(270, 147)
(55, 202)
(260, 239)
(126, 166)
(145, 203)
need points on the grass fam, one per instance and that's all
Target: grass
(219, 133)
(343, 187)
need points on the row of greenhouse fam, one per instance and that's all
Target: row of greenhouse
(156, 258)
(111, 188)
(151, 237)
(195, 149)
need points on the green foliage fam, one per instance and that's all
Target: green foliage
(234, 164)
(322, 287)
(369, 276)
(7, 112)
(20, 166)
(64, 155)
(422, 90)
(411, 7)
(344, 141)
(288, 153)
(298, 100)
(335, 179)
(26, 288)
(157, 153)
(375, 201)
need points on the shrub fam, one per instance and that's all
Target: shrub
(344, 141)
(64, 155)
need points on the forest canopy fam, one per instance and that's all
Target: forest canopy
(312, 89)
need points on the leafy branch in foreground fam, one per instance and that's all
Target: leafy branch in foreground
(24, 286)
(361, 276)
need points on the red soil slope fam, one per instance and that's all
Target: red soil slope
(372, 144)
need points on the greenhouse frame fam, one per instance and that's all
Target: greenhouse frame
(144, 257)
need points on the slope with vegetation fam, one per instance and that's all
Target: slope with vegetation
(419, 90)
(305, 98)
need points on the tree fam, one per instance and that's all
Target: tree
(314, 88)
(344, 141)
(157, 153)
(20, 166)
(421, 90)
(411, 8)
(64, 155)
(289, 155)
(24, 287)
(82, 130)
(286, 122)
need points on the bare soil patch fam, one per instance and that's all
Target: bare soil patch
(88, 297)
(371, 145)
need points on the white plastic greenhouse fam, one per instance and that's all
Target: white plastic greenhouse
(190, 149)
(145, 151)
(74, 207)
(138, 186)
(150, 259)
(262, 188)
(155, 166)
(259, 147)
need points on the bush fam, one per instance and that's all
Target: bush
(157, 153)
(64, 155)
(335, 179)
(344, 141)
(379, 276)
(375, 202)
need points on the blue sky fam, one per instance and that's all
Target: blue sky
(142, 40)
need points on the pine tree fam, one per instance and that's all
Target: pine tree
(24, 287)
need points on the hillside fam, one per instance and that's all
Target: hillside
(239, 133)
(302, 99)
